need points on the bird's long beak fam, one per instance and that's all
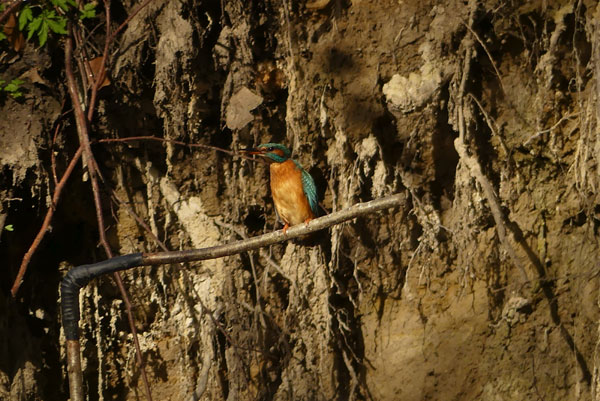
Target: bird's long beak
(253, 151)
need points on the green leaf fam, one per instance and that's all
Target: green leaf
(15, 83)
(2, 35)
(34, 26)
(25, 16)
(2, 82)
(9, 227)
(14, 87)
(61, 3)
(43, 33)
(58, 25)
(88, 11)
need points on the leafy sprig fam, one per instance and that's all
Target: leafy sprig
(88, 11)
(44, 21)
(13, 88)
(40, 20)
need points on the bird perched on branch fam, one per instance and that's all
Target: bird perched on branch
(293, 189)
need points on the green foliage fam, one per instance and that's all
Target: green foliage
(40, 24)
(42, 17)
(64, 4)
(25, 16)
(9, 227)
(88, 11)
(13, 87)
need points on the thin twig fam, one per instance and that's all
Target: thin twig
(559, 122)
(491, 123)
(99, 79)
(56, 131)
(139, 220)
(85, 71)
(128, 19)
(488, 54)
(175, 142)
(46, 224)
(52, 157)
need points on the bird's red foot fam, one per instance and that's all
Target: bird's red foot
(285, 228)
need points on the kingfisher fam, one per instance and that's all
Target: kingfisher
(293, 189)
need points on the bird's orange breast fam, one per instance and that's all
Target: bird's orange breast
(288, 194)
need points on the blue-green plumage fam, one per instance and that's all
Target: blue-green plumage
(310, 189)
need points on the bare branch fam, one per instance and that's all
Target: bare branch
(46, 223)
(129, 18)
(274, 237)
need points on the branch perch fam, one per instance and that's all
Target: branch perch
(80, 276)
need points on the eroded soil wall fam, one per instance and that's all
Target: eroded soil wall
(484, 286)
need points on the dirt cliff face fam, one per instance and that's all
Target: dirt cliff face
(484, 286)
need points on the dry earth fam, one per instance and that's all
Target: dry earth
(484, 287)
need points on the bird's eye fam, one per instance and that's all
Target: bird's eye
(270, 149)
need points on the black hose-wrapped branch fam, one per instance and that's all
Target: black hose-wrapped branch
(80, 276)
